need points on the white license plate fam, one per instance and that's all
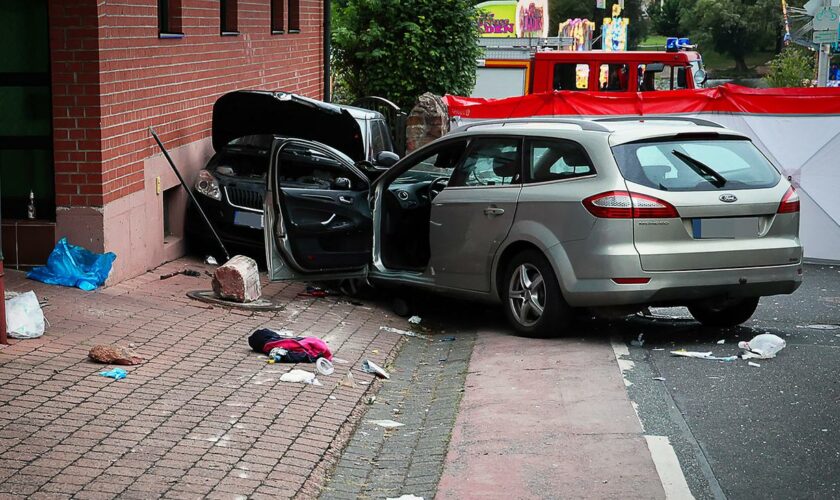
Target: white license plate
(248, 219)
(726, 227)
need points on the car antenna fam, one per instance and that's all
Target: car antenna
(190, 193)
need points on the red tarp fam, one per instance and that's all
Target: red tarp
(727, 98)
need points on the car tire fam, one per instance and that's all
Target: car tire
(724, 314)
(529, 285)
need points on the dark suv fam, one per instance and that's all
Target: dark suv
(231, 188)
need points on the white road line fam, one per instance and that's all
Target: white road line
(668, 468)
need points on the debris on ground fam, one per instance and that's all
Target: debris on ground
(324, 366)
(348, 380)
(448, 339)
(371, 367)
(71, 265)
(185, 272)
(114, 355)
(297, 375)
(210, 260)
(115, 373)
(296, 349)
(370, 400)
(764, 346)
(639, 342)
(721, 341)
(24, 317)
(415, 320)
(388, 424)
(405, 497)
(661, 379)
(754, 364)
(238, 280)
(702, 355)
(822, 327)
(316, 291)
(391, 329)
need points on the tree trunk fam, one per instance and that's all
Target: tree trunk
(740, 63)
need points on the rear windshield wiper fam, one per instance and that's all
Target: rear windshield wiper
(701, 169)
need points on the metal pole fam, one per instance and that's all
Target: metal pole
(823, 65)
(190, 193)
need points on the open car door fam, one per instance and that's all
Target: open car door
(317, 216)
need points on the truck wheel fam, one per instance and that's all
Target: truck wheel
(533, 302)
(726, 313)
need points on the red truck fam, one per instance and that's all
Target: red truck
(511, 71)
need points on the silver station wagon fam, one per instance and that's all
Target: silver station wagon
(548, 215)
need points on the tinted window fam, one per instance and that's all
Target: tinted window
(696, 165)
(571, 76)
(557, 159)
(614, 77)
(490, 162)
(380, 137)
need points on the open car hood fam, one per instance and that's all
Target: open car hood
(252, 112)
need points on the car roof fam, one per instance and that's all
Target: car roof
(361, 113)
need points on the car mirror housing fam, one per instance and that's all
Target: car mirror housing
(387, 158)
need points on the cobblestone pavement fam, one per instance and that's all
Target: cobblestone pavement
(204, 416)
(427, 380)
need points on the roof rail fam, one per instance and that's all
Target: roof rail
(696, 121)
(588, 125)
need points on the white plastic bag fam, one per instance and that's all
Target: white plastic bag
(764, 346)
(24, 317)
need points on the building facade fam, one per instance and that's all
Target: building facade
(82, 82)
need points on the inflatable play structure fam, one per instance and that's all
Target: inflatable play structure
(798, 129)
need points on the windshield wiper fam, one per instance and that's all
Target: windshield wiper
(701, 169)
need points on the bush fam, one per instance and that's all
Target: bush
(792, 67)
(399, 49)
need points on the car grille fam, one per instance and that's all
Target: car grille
(244, 198)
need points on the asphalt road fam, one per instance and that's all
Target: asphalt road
(739, 431)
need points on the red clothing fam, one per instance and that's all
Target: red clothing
(312, 346)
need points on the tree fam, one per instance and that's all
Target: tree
(665, 17)
(793, 67)
(399, 49)
(735, 27)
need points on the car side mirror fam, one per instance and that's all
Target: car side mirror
(387, 158)
(699, 77)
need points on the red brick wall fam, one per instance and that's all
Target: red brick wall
(170, 84)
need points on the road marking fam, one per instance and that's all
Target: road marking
(668, 468)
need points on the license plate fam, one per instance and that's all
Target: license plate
(248, 219)
(725, 228)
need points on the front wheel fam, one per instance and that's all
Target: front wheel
(726, 313)
(533, 303)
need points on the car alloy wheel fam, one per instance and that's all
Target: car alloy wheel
(526, 294)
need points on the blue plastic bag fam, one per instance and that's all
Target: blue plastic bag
(71, 265)
(115, 373)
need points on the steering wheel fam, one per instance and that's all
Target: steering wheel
(437, 186)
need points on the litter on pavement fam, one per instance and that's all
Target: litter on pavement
(324, 366)
(388, 424)
(297, 349)
(297, 375)
(24, 317)
(703, 355)
(754, 364)
(391, 329)
(764, 346)
(822, 327)
(639, 342)
(721, 341)
(661, 379)
(114, 355)
(415, 320)
(185, 272)
(115, 373)
(348, 380)
(371, 367)
(448, 339)
(210, 260)
(71, 265)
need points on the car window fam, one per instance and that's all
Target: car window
(571, 76)
(657, 76)
(305, 168)
(437, 162)
(380, 138)
(490, 161)
(551, 159)
(614, 77)
(696, 165)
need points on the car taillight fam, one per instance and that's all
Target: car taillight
(628, 205)
(790, 202)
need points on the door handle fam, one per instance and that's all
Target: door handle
(347, 200)
(326, 222)
(494, 211)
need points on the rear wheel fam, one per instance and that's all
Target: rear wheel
(531, 295)
(726, 313)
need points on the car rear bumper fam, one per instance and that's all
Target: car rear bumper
(682, 287)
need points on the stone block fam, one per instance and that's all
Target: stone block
(238, 280)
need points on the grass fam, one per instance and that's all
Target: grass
(717, 65)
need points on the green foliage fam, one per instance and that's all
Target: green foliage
(665, 17)
(399, 49)
(793, 67)
(735, 27)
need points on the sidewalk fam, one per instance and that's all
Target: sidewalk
(204, 416)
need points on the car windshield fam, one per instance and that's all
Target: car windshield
(695, 165)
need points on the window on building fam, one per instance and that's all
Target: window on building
(571, 76)
(169, 18)
(278, 16)
(614, 77)
(552, 159)
(294, 16)
(228, 14)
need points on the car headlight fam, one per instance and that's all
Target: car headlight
(207, 185)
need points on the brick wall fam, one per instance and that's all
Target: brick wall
(113, 78)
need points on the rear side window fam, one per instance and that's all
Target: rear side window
(696, 165)
(571, 76)
(552, 159)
